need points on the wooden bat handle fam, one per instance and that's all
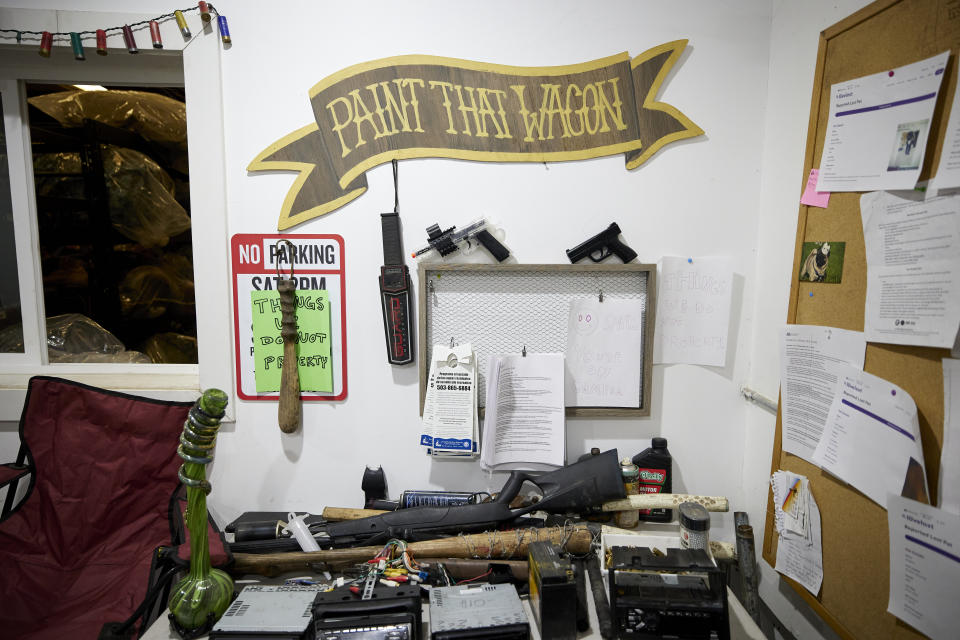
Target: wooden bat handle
(338, 514)
(666, 501)
(492, 544)
(288, 413)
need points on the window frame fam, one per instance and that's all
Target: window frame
(201, 78)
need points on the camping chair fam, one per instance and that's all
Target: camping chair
(100, 516)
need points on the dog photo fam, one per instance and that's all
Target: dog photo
(822, 262)
(907, 146)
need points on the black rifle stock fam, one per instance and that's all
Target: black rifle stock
(599, 247)
(576, 487)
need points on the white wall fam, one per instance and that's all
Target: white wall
(794, 38)
(697, 198)
(745, 79)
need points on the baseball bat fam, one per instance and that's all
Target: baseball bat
(288, 413)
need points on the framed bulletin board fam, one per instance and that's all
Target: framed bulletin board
(882, 36)
(503, 308)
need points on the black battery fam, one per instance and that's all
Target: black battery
(553, 591)
(680, 594)
(392, 613)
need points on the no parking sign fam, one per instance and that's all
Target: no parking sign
(318, 264)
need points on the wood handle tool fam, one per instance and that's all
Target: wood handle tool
(288, 413)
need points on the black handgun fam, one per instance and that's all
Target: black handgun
(578, 487)
(599, 247)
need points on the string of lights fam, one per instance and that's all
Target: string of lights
(205, 9)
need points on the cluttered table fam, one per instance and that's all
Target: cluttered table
(511, 565)
(742, 627)
(306, 586)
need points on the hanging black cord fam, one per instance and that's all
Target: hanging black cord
(396, 189)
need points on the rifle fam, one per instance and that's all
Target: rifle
(577, 487)
(259, 536)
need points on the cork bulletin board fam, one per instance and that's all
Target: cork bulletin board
(883, 35)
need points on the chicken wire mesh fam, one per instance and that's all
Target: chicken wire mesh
(502, 311)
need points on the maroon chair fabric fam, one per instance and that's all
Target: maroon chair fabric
(76, 551)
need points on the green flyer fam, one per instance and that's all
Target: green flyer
(313, 340)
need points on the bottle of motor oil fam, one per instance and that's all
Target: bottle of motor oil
(631, 486)
(655, 467)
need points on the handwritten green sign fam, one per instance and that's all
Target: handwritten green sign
(313, 340)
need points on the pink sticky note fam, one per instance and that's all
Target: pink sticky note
(813, 197)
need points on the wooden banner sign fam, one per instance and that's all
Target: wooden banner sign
(425, 106)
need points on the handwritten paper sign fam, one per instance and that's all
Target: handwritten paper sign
(313, 340)
(604, 343)
(693, 311)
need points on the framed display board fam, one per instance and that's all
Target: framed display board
(505, 308)
(882, 36)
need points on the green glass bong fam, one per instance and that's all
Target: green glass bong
(198, 601)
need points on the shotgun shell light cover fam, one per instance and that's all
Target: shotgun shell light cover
(204, 11)
(224, 29)
(46, 44)
(155, 35)
(129, 40)
(101, 42)
(77, 46)
(182, 23)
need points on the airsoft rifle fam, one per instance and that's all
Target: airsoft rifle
(578, 487)
(599, 247)
(574, 488)
(465, 239)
